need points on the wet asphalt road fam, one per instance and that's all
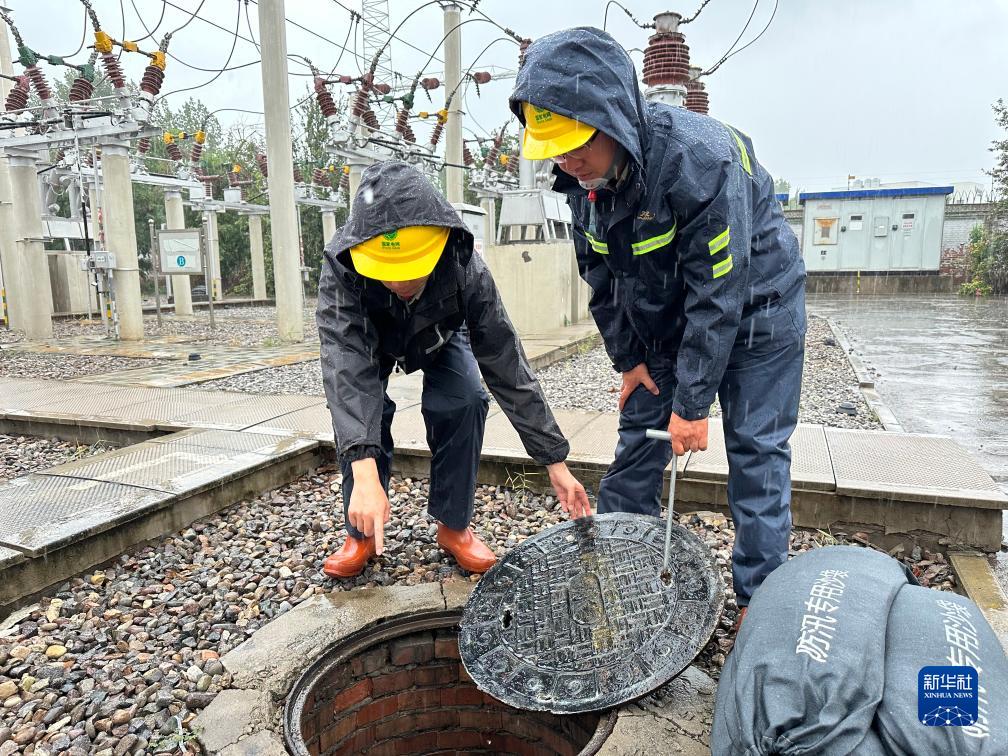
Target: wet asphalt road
(942, 367)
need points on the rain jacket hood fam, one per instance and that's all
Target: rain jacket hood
(585, 74)
(393, 194)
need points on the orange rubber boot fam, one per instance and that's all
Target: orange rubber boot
(469, 551)
(350, 560)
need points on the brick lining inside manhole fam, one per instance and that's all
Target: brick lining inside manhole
(401, 689)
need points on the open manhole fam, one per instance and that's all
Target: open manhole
(400, 688)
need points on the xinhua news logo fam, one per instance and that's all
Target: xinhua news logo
(947, 696)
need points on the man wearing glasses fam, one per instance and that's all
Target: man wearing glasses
(698, 282)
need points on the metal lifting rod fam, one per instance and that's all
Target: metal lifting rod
(666, 436)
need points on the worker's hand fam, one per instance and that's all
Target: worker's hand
(634, 378)
(369, 505)
(569, 491)
(687, 435)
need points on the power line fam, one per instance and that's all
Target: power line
(762, 32)
(724, 57)
(150, 32)
(694, 16)
(83, 38)
(234, 43)
(398, 39)
(195, 14)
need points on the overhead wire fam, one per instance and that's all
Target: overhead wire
(234, 43)
(195, 14)
(150, 32)
(83, 37)
(724, 57)
(754, 39)
(695, 15)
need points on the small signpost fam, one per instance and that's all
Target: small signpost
(180, 253)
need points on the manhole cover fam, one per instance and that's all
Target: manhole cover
(577, 618)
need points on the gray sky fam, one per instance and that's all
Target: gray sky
(895, 90)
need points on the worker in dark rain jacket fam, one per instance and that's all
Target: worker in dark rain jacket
(402, 289)
(698, 282)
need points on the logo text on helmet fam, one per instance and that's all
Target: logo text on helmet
(390, 240)
(541, 114)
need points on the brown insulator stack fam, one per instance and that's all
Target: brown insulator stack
(113, 70)
(435, 136)
(173, 151)
(491, 157)
(324, 98)
(370, 120)
(261, 162)
(512, 163)
(402, 126)
(38, 81)
(319, 178)
(382, 88)
(143, 146)
(196, 153)
(430, 83)
(298, 178)
(482, 77)
(666, 59)
(152, 79)
(360, 102)
(80, 90)
(467, 156)
(696, 97)
(17, 99)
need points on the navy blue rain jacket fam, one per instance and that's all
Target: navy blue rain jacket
(690, 243)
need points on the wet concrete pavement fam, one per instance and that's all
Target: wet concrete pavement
(941, 365)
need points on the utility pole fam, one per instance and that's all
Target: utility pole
(258, 257)
(10, 264)
(216, 289)
(453, 74)
(35, 303)
(175, 217)
(328, 226)
(121, 234)
(283, 223)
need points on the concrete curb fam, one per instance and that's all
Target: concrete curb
(865, 382)
(976, 577)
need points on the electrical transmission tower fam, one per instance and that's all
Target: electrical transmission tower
(376, 34)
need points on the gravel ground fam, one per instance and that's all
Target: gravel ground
(21, 455)
(114, 659)
(56, 366)
(588, 381)
(234, 326)
(302, 378)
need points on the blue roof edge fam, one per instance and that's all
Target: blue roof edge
(907, 191)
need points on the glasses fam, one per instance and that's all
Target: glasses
(577, 152)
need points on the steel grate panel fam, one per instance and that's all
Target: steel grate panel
(245, 411)
(234, 442)
(811, 467)
(930, 469)
(315, 422)
(172, 468)
(50, 394)
(500, 439)
(41, 512)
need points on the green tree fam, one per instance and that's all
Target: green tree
(782, 186)
(989, 243)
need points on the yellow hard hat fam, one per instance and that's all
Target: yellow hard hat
(400, 255)
(548, 134)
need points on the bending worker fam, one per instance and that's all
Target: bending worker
(698, 282)
(401, 289)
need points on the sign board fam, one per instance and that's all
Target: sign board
(180, 251)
